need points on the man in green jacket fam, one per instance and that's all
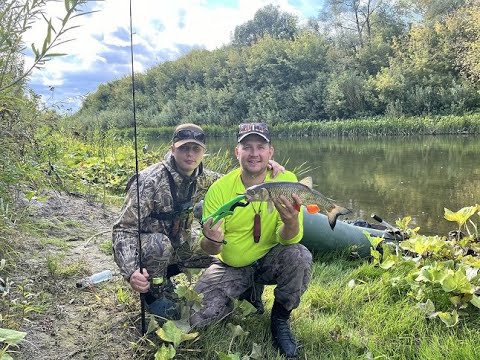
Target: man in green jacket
(254, 246)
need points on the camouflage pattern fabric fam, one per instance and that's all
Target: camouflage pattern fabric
(158, 250)
(287, 266)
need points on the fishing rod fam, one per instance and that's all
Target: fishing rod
(384, 223)
(142, 297)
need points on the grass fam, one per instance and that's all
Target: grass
(369, 319)
(58, 267)
(59, 243)
(349, 311)
(341, 319)
(107, 247)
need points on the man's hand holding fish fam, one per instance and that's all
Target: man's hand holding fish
(288, 212)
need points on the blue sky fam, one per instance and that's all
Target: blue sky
(162, 30)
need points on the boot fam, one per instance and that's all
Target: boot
(282, 336)
(162, 301)
(254, 296)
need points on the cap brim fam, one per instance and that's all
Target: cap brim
(186, 141)
(240, 138)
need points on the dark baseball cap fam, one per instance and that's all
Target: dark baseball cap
(246, 129)
(188, 133)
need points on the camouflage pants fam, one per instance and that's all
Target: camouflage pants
(289, 267)
(158, 253)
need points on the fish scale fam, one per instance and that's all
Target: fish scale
(306, 195)
(269, 191)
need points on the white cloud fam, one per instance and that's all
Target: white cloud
(162, 29)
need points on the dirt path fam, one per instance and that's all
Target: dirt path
(70, 239)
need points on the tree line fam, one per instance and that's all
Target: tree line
(357, 58)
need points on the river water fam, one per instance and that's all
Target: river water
(392, 177)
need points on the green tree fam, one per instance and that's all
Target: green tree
(16, 18)
(423, 76)
(352, 17)
(391, 61)
(463, 28)
(347, 96)
(20, 116)
(268, 20)
(430, 11)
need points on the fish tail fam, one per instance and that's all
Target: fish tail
(334, 213)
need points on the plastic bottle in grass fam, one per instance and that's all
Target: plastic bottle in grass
(96, 278)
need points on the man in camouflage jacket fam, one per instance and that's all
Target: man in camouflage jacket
(167, 191)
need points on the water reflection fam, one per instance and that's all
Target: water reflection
(392, 177)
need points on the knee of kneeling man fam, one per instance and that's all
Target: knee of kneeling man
(302, 253)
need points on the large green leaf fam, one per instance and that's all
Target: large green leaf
(165, 353)
(171, 333)
(432, 275)
(189, 294)
(475, 301)
(246, 307)
(428, 307)
(257, 352)
(423, 244)
(435, 273)
(12, 337)
(223, 356)
(461, 216)
(389, 262)
(374, 240)
(457, 282)
(375, 255)
(449, 319)
(237, 330)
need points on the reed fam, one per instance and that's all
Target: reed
(373, 126)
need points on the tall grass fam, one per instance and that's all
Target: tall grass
(373, 126)
(384, 126)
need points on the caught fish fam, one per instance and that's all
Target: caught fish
(313, 200)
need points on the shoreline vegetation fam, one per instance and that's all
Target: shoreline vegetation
(468, 124)
(389, 305)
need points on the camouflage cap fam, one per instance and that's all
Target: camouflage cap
(188, 133)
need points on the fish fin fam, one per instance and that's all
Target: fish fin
(296, 207)
(334, 213)
(312, 208)
(307, 181)
(270, 206)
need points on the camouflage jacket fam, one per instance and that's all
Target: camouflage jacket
(156, 198)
